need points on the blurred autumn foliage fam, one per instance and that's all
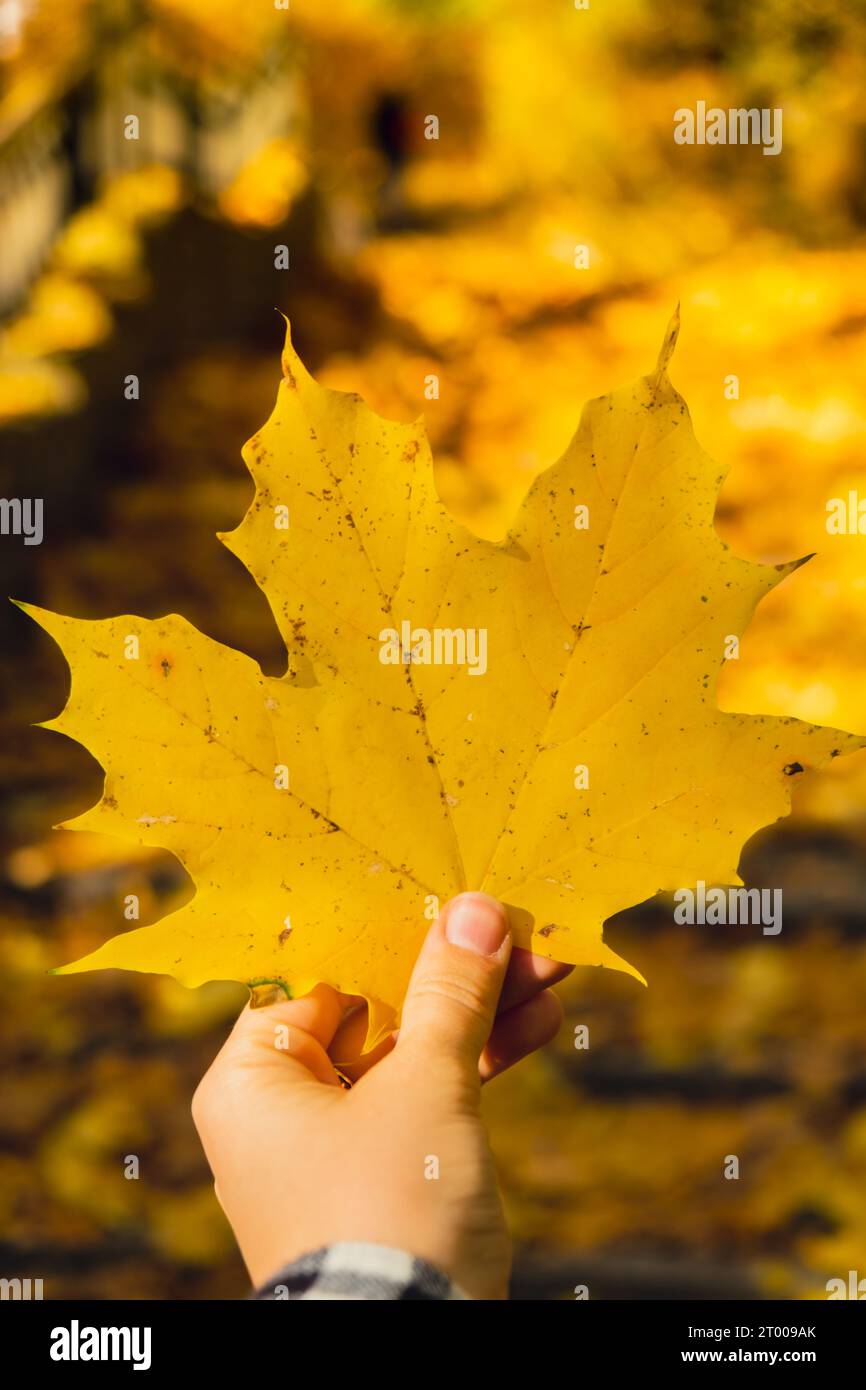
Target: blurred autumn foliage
(453, 258)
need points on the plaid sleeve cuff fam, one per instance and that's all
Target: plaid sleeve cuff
(351, 1270)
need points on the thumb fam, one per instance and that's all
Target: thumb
(455, 986)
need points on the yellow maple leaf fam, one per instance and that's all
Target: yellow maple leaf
(536, 718)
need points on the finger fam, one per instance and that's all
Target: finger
(519, 1032)
(318, 1014)
(269, 1051)
(527, 975)
(299, 1030)
(523, 1029)
(455, 986)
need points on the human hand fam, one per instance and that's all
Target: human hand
(299, 1162)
